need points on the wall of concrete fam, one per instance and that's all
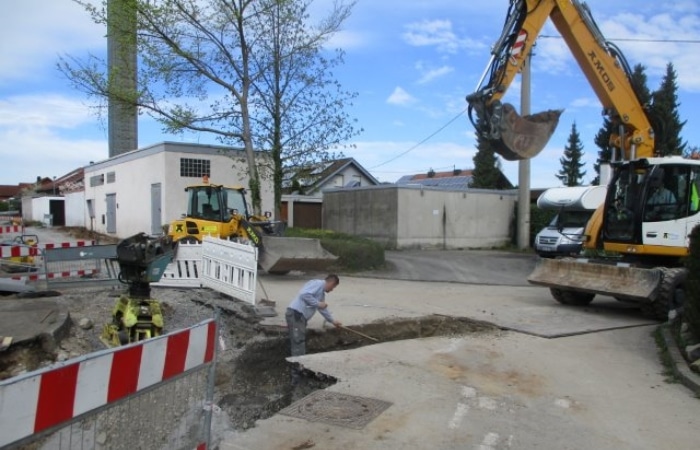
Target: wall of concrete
(75, 209)
(411, 217)
(370, 212)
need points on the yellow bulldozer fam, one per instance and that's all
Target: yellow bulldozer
(222, 211)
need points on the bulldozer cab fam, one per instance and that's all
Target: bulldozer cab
(216, 203)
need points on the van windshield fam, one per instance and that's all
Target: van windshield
(571, 219)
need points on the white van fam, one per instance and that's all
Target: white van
(564, 234)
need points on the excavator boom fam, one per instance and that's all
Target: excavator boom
(517, 137)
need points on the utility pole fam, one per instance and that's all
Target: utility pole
(524, 164)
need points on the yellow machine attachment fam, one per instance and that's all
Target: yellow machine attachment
(133, 320)
(136, 316)
(222, 211)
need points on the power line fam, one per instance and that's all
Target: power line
(670, 41)
(394, 158)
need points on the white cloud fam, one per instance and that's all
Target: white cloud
(400, 97)
(585, 102)
(35, 141)
(438, 34)
(34, 33)
(348, 40)
(428, 75)
(43, 111)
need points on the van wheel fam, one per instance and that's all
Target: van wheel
(573, 298)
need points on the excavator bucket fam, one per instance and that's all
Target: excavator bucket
(282, 254)
(524, 137)
(582, 276)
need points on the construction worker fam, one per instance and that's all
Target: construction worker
(311, 297)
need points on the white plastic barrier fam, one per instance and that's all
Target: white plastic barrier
(186, 268)
(230, 268)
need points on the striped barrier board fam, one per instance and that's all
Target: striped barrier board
(47, 398)
(10, 229)
(14, 251)
(52, 275)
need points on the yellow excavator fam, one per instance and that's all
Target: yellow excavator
(222, 211)
(652, 202)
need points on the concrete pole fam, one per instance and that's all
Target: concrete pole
(524, 166)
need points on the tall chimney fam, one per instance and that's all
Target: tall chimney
(121, 59)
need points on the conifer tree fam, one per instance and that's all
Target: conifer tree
(571, 173)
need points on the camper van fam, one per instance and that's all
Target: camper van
(564, 234)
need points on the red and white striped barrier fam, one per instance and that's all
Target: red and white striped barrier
(47, 398)
(10, 229)
(52, 275)
(14, 251)
(67, 244)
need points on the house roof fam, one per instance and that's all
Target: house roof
(326, 173)
(447, 180)
(9, 191)
(444, 180)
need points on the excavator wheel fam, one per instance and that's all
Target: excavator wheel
(573, 298)
(671, 279)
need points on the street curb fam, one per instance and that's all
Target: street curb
(679, 366)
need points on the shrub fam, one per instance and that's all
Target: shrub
(691, 307)
(353, 252)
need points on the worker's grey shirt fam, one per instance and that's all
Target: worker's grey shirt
(308, 299)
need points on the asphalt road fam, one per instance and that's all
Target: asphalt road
(460, 266)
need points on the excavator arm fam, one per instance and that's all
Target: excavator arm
(602, 63)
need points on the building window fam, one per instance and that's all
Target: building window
(97, 180)
(111, 177)
(339, 181)
(190, 167)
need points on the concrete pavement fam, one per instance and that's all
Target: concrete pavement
(498, 391)
(529, 309)
(488, 391)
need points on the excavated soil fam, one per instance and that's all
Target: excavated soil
(252, 376)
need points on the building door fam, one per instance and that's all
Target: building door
(58, 212)
(111, 213)
(156, 218)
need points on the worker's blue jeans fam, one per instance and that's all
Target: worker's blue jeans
(296, 325)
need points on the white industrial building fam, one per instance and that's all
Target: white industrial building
(142, 190)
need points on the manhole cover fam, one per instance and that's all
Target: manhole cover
(334, 408)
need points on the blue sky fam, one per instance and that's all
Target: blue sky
(411, 61)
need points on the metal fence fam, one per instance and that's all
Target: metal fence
(54, 266)
(155, 394)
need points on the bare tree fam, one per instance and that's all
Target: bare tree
(204, 66)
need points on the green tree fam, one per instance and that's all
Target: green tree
(304, 106)
(207, 66)
(487, 166)
(667, 123)
(570, 173)
(638, 79)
